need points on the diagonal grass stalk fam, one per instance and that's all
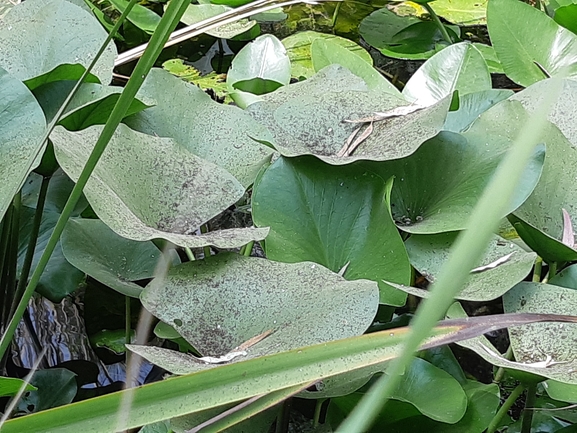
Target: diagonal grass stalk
(167, 24)
(465, 255)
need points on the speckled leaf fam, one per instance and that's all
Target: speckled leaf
(196, 13)
(471, 106)
(459, 166)
(89, 245)
(298, 48)
(63, 33)
(557, 189)
(428, 253)
(91, 105)
(325, 52)
(23, 126)
(532, 343)
(221, 302)
(147, 187)
(458, 67)
(307, 118)
(535, 342)
(218, 133)
(333, 216)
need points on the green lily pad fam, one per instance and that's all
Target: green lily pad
(21, 136)
(89, 245)
(59, 190)
(197, 13)
(298, 48)
(536, 342)
(490, 57)
(462, 12)
(147, 187)
(218, 133)
(307, 118)
(441, 198)
(325, 52)
(459, 67)
(55, 387)
(524, 52)
(566, 16)
(63, 32)
(428, 253)
(403, 37)
(566, 278)
(142, 17)
(91, 105)
(307, 304)
(262, 66)
(561, 391)
(112, 340)
(334, 216)
(471, 106)
(531, 344)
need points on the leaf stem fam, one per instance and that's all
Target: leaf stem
(515, 394)
(438, 22)
(537, 270)
(528, 411)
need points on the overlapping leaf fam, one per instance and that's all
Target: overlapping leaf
(147, 187)
(62, 34)
(336, 216)
(218, 133)
(441, 197)
(220, 303)
(309, 118)
(428, 253)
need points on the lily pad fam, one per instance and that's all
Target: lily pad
(21, 136)
(338, 217)
(55, 387)
(471, 106)
(488, 53)
(233, 294)
(89, 245)
(62, 31)
(428, 253)
(403, 37)
(459, 67)
(197, 13)
(142, 17)
(218, 133)
(147, 187)
(527, 55)
(325, 52)
(535, 345)
(308, 118)
(462, 12)
(441, 198)
(91, 104)
(536, 342)
(260, 67)
(298, 48)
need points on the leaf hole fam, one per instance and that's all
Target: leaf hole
(178, 322)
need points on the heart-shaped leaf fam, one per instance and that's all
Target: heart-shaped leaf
(218, 133)
(237, 302)
(471, 106)
(89, 245)
(441, 198)
(63, 32)
(298, 48)
(55, 387)
(529, 44)
(260, 67)
(336, 216)
(404, 37)
(428, 253)
(147, 187)
(21, 136)
(459, 67)
(318, 116)
(325, 52)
